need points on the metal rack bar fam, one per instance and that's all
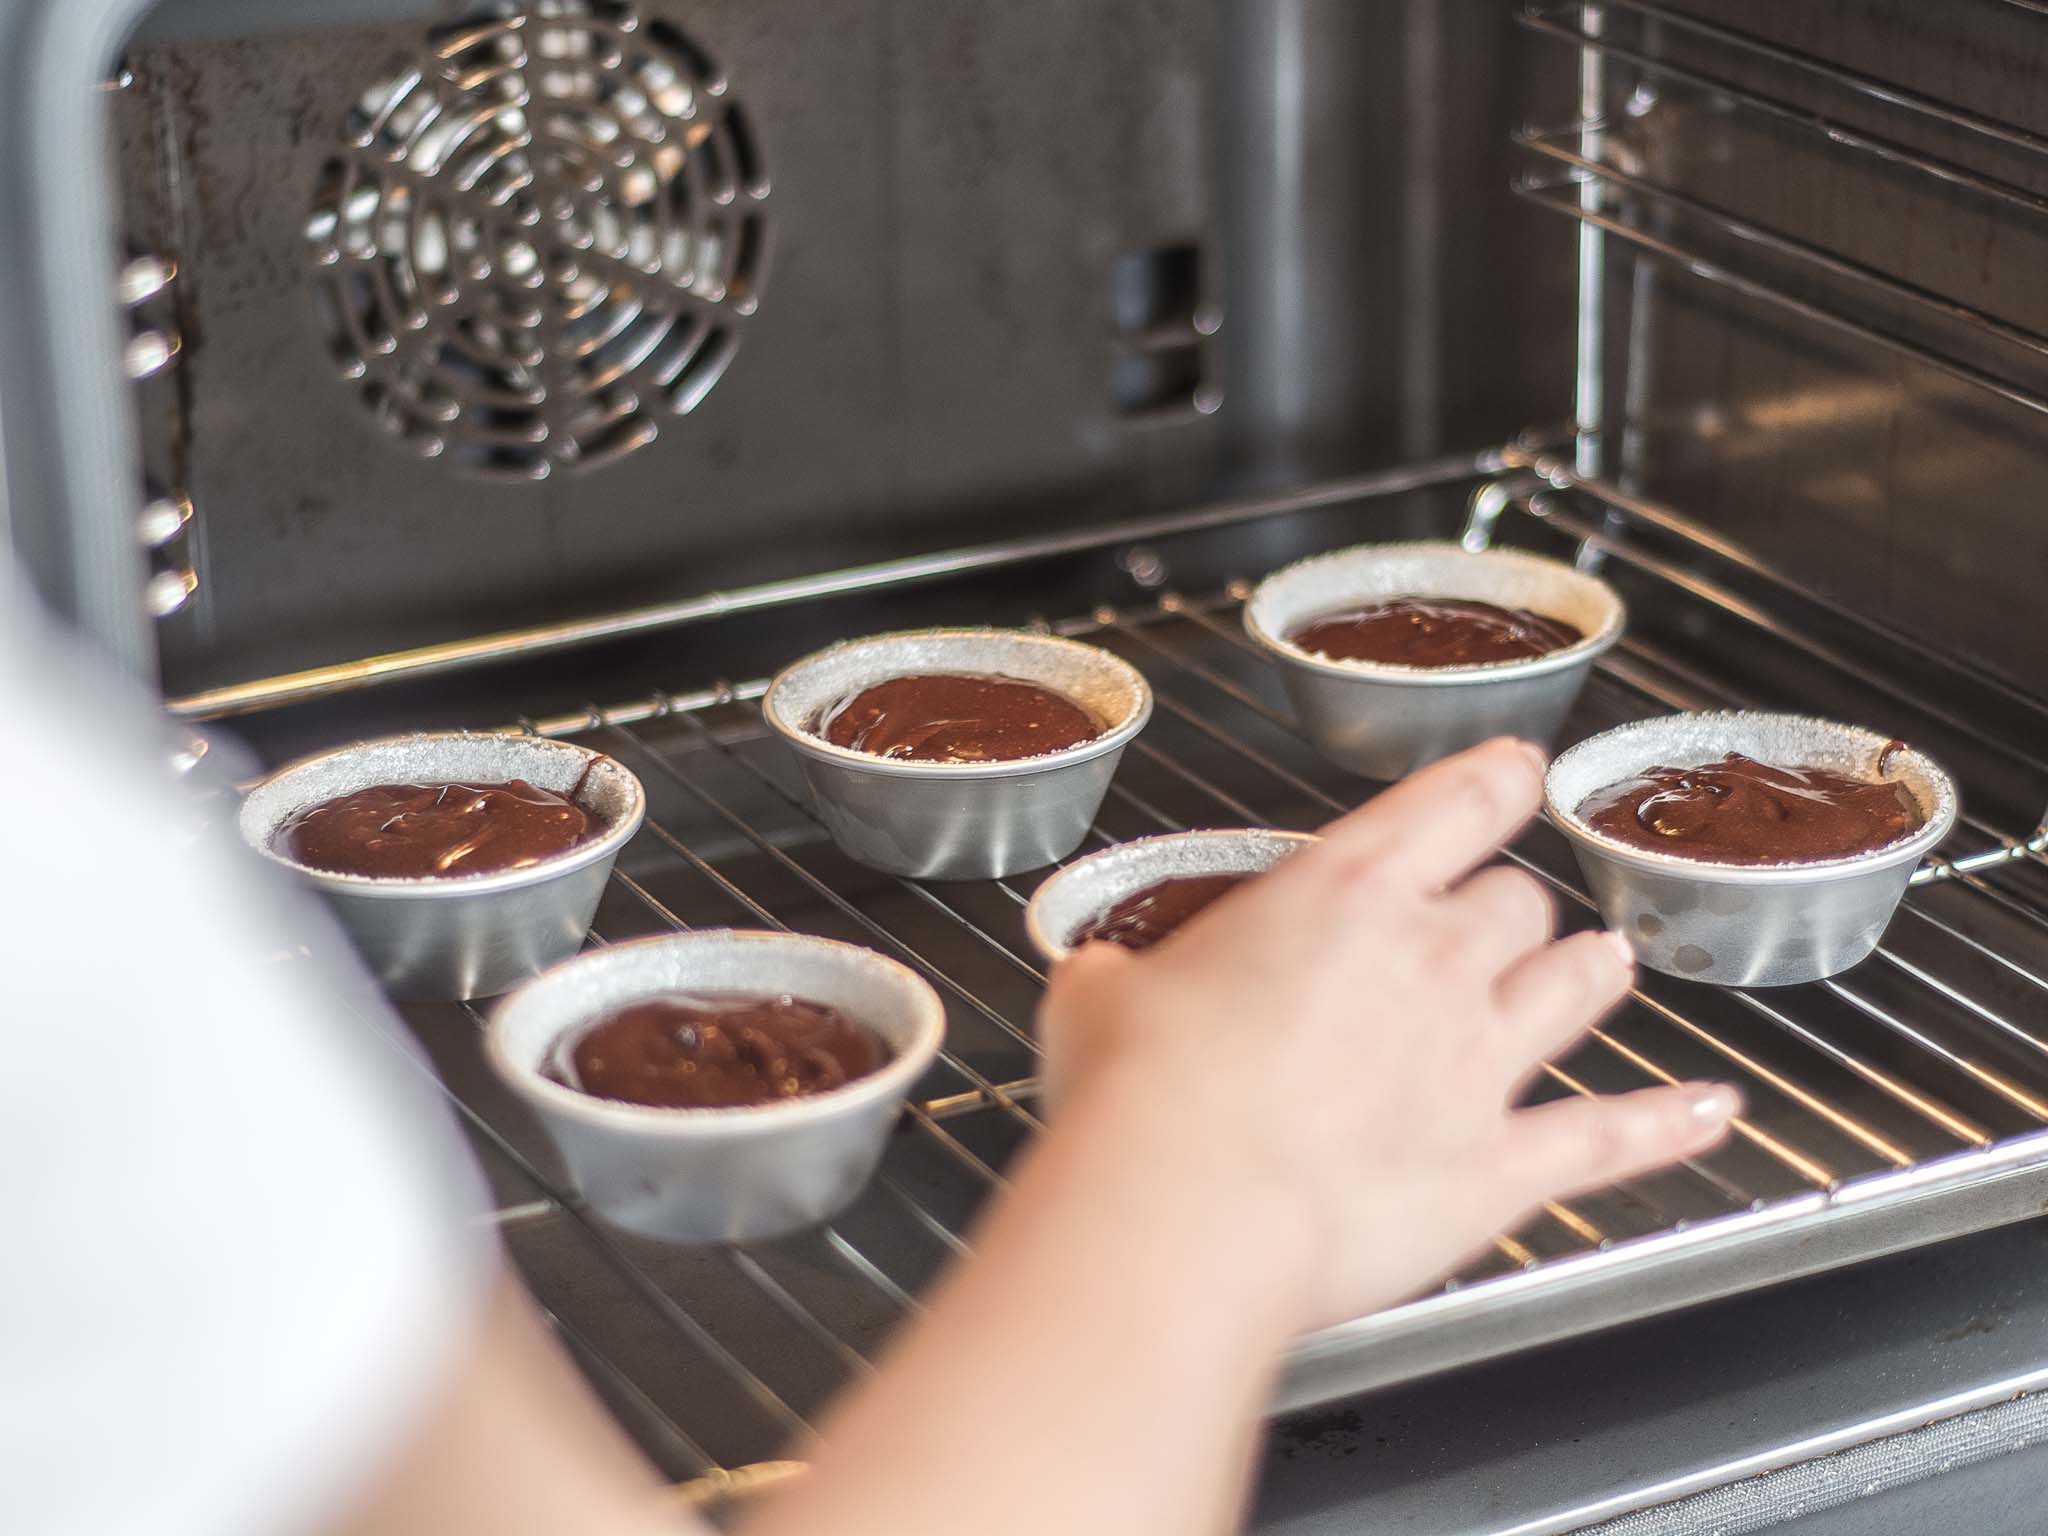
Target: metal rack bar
(1737, 606)
(1546, 144)
(2009, 1091)
(1539, 18)
(867, 1269)
(805, 1319)
(1698, 536)
(703, 1463)
(1813, 66)
(1142, 806)
(1543, 195)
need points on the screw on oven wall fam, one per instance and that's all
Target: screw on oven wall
(1143, 565)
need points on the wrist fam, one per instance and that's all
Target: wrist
(1192, 1191)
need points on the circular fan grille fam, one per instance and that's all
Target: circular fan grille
(544, 237)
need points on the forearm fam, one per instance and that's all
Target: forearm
(516, 1444)
(1099, 1366)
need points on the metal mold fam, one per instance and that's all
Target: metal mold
(1741, 925)
(720, 1175)
(959, 821)
(1088, 887)
(477, 935)
(1385, 721)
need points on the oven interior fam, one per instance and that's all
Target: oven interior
(570, 368)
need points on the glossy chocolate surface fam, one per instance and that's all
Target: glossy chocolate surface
(958, 717)
(1433, 632)
(715, 1050)
(1740, 811)
(1142, 920)
(413, 831)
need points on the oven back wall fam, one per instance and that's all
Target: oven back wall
(1016, 269)
(949, 189)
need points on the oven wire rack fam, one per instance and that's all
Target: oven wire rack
(1901, 1103)
(1897, 1104)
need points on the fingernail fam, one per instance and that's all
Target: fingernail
(1538, 758)
(1620, 946)
(1712, 1103)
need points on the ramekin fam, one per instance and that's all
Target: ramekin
(1384, 721)
(959, 821)
(1089, 887)
(1744, 925)
(463, 936)
(720, 1175)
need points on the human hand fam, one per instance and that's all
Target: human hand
(1337, 1046)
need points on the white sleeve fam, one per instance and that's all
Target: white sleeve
(243, 1243)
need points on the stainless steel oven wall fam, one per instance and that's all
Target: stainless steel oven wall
(1015, 268)
(1388, 299)
(1892, 462)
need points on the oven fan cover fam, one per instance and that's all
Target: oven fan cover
(543, 238)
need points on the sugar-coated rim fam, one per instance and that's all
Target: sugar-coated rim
(893, 1079)
(1581, 651)
(804, 740)
(604, 846)
(1137, 852)
(1941, 814)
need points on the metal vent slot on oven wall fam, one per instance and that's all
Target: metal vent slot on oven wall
(543, 237)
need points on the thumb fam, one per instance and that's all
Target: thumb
(1079, 1013)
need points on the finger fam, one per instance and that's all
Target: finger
(1078, 1013)
(1079, 971)
(1549, 998)
(1439, 824)
(1566, 1148)
(1503, 912)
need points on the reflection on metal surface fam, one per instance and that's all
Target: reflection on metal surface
(168, 591)
(1565, 196)
(542, 238)
(430, 660)
(737, 1483)
(162, 520)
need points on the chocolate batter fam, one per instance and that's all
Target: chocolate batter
(1140, 921)
(1740, 811)
(1433, 632)
(957, 717)
(715, 1050)
(415, 830)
